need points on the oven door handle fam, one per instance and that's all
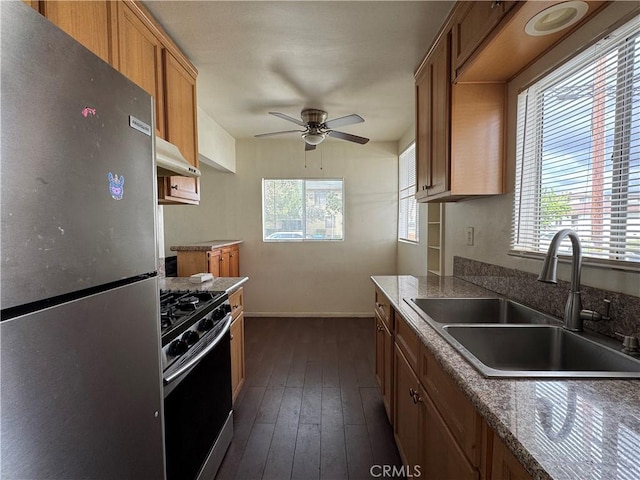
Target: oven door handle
(196, 358)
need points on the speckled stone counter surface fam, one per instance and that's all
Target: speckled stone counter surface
(558, 429)
(228, 284)
(204, 246)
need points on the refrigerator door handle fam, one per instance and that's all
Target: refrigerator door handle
(196, 358)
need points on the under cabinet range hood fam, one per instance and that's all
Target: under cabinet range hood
(170, 162)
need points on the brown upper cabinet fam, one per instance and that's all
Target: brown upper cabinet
(140, 57)
(461, 96)
(181, 130)
(124, 34)
(90, 23)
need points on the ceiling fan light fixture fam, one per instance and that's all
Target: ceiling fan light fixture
(556, 18)
(313, 138)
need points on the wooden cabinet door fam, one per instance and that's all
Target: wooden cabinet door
(225, 258)
(140, 58)
(237, 355)
(234, 261)
(473, 24)
(88, 22)
(440, 117)
(214, 262)
(406, 411)
(384, 363)
(504, 465)
(181, 129)
(442, 457)
(433, 102)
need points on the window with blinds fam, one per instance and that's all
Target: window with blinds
(578, 154)
(407, 205)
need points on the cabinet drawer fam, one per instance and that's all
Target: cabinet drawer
(408, 342)
(456, 410)
(236, 299)
(383, 307)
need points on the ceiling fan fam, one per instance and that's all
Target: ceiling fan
(317, 127)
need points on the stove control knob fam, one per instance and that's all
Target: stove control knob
(191, 337)
(221, 311)
(177, 347)
(205, 324)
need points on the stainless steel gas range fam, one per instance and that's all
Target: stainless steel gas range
(196, 362)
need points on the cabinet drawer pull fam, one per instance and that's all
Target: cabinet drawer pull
(379, 328)
(174, 187)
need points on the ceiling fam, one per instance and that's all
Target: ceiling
(342, 57)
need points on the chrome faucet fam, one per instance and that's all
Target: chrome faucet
(572, 318)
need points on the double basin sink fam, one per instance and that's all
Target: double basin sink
(502, 338)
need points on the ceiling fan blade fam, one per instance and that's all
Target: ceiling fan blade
(277, 133)
(347, 136)
(308, 147)
(287, 117)
(342, 121)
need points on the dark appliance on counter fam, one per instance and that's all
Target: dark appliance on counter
(80, 370)
(196, 360)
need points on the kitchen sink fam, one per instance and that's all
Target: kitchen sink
(503, 338)
(538, 351)
(478, 310)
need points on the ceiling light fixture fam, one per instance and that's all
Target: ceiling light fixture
(313, 138)
(556, 18)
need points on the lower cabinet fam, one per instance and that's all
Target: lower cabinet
(220, 262)
(438, 431)
(384, 364)
(407, 412)
(442, 457)
(237, 342)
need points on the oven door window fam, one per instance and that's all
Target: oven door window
(195, 412)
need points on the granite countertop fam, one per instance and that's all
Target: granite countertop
(205, 246)
(228, 284)
(594, 429)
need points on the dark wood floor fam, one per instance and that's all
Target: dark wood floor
(310, 407)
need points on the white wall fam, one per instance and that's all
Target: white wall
(491, 217)
(307, 278)
(216, 147)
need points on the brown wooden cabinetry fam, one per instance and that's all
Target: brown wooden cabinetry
(406, 418)
(436, 427)
(90, 23)
(236, 300)
(433, 100)
(140, 56)
(472, 24)
(180, 129)
(124, 34)
(220, 262)
(384, 364)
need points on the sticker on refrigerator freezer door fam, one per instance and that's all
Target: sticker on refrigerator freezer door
(116, 186)
(139, 125)
(88, 111)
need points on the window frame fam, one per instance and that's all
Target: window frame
(408, 193)
(531, 187)
(303, 216)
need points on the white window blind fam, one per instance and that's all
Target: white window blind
(407, 205)
(578, 154)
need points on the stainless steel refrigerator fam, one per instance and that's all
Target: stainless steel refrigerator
(80, 375)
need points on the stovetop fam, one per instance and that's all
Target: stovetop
(178, 307)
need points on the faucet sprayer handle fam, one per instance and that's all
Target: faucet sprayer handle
(594, 316)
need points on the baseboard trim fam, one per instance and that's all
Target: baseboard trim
(310, 314)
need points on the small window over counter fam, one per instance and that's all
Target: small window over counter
(578, 154)
(295, 210)
(407, 205)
